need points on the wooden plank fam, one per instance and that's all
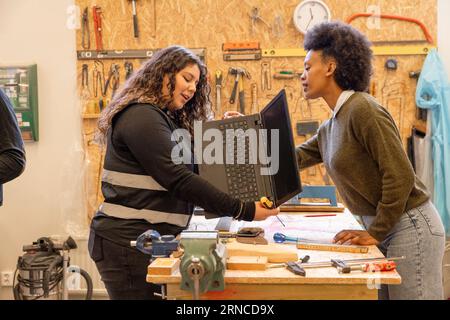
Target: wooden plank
(163, 266)
(247, 263)
(275, 253)
(332, 247)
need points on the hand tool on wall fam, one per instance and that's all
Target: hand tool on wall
(97, 14)
(128, 69)
(265, 76)
(255, 17)
(278, 26)
(135, 20)
(113, 79)
(254, 88)
(286, 75)
(85, 38)
(238, 73)
(241, 96)
(84, 77)
(85, 93)
(98, 76)
(218, 78)
(427, 34)
(238, 51)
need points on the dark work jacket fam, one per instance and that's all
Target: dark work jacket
(12, 154)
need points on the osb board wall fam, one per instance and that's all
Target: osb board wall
(209, 23)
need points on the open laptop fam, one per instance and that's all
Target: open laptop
(244, 179)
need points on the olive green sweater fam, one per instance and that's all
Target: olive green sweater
(362, 151)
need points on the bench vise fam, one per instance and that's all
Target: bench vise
(203, 263)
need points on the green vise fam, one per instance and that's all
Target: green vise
(203, 264)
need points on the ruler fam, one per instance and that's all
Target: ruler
(331, 247)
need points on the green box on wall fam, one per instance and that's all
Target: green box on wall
(20, 84)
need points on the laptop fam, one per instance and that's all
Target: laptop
(249, 177)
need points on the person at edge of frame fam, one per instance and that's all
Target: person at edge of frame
(12, 152)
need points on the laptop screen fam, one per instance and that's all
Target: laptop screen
(286, 182)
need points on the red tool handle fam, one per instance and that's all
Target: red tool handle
(388, 16)
(379, 266)
(96, 11)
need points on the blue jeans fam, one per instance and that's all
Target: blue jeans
(420, 236)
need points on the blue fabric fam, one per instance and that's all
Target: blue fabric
(433, 93)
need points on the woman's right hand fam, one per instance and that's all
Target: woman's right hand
(262, 213)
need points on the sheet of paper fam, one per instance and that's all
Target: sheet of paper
(296, 225)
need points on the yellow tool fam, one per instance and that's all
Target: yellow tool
(268, 204)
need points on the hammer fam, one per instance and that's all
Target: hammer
(238, 72)
(135, 21)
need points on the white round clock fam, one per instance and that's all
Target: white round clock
(308, 13)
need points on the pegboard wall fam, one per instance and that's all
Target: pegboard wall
(210, 23)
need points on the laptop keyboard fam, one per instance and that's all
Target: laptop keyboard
(241, 178)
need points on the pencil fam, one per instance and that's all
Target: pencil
(280, 221)
(320, 215)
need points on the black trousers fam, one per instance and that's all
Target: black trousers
(122, 270)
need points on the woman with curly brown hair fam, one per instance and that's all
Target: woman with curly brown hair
(142, 186)
(362, 151)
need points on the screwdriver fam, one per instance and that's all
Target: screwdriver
(269, 205)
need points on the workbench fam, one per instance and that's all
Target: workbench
(279, 283)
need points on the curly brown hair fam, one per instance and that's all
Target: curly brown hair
(145, 86)
(349, 47)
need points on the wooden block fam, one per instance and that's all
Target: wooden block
(275, 253)
(246, 263)
(332, 247)
(163, 266)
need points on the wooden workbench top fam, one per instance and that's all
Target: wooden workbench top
(314, 228)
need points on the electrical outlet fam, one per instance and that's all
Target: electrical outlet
(6, 278)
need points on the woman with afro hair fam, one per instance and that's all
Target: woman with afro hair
(362, 151)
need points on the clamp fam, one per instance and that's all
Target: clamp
(294, 266)
(152, 243)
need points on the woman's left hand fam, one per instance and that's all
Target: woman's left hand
(357, 237)
(231, 114)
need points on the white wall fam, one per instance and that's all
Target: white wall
(47, 198)
(444, 32)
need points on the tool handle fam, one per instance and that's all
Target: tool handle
(233, 93)
(218, 101)
(242, 102)
(135, 26)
